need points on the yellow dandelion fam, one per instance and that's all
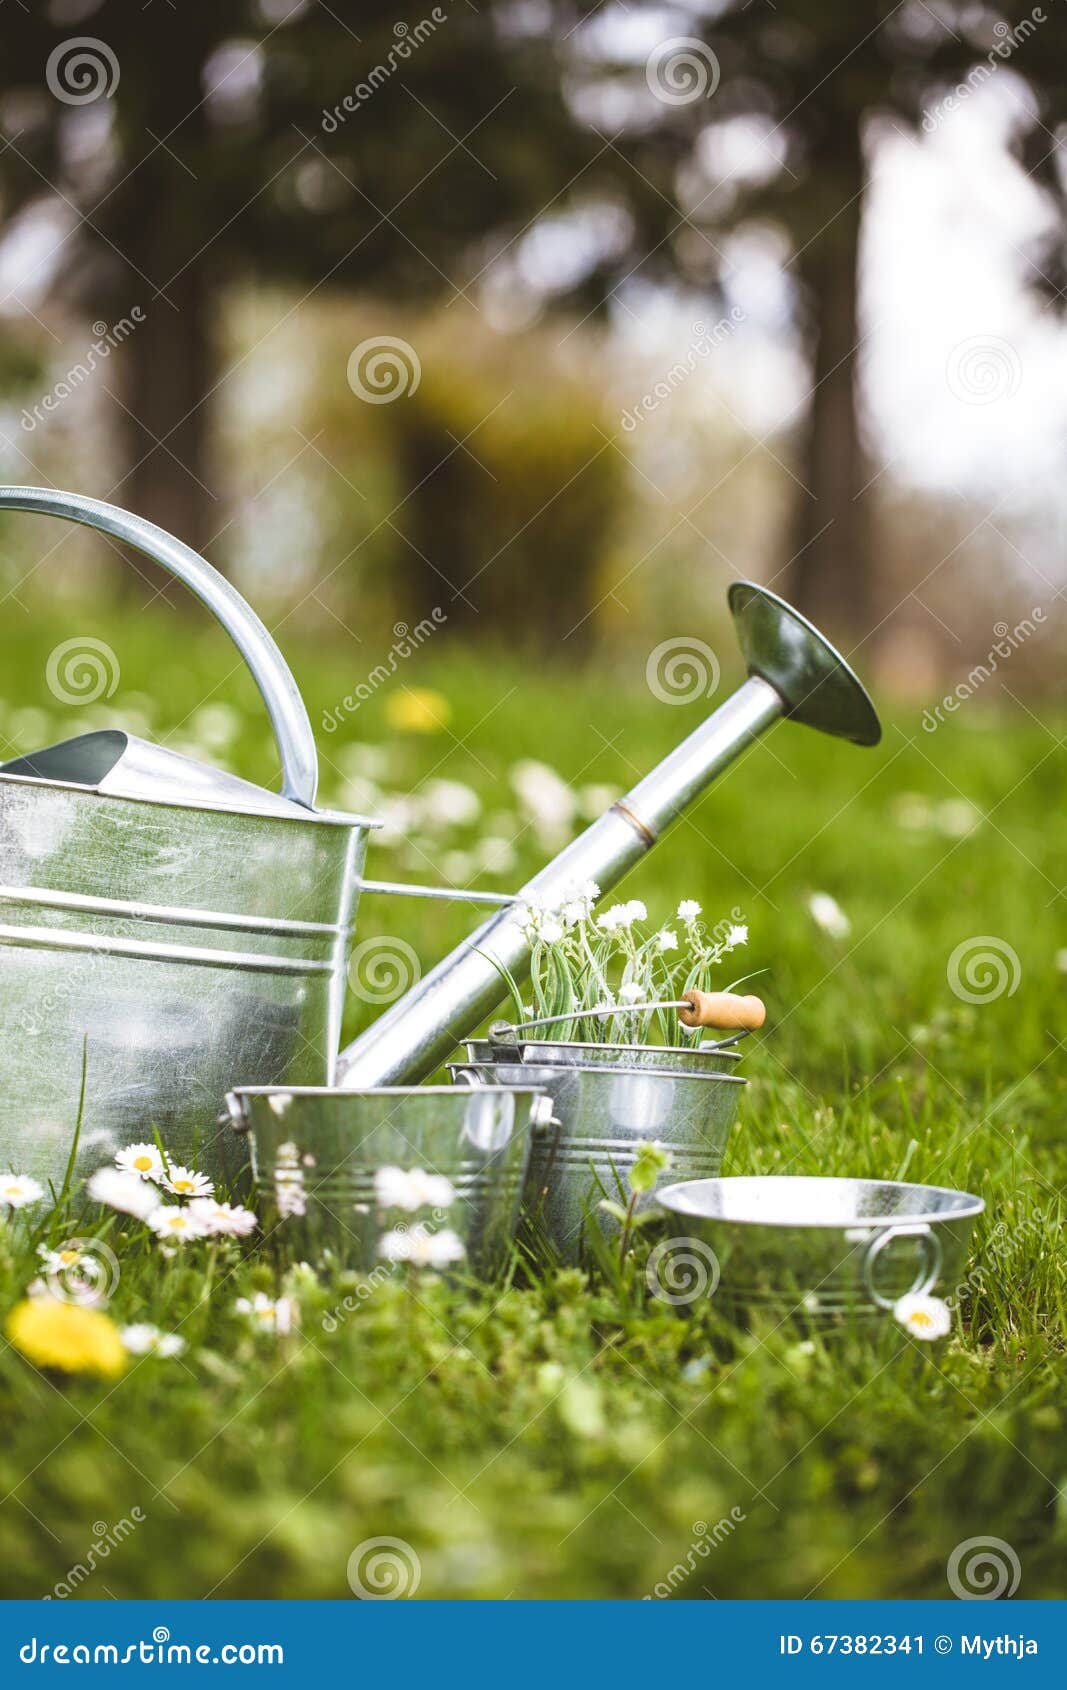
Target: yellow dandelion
(67, 1336)
(418, 710)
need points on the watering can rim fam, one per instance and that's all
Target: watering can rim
(333, 818)
(283, 810)
(559, 1069)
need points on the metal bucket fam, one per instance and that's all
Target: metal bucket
(315, 1153)
(669, 1059)
(601, 1116)
(810, 1247)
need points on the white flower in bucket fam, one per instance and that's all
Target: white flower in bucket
(396, 1189)
(923, 1316)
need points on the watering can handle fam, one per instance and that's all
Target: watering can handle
(292, 729)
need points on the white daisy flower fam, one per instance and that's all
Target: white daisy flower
(186, 1182)
(612, 919)
(395, 1189)
(223, 1218)
(142, 1159)
(170, 1221)
(636, 910)
(422, 1248)
(16, 1190)
(667, 940)
(289, 1192)
(738, 935)
(144, 1339)
(827, 913)
(924, 1317)
(59, 1261)
(550, 930)
(272, 1314)
(130, 1194)
(689, 911)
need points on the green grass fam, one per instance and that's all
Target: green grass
(555, 1440)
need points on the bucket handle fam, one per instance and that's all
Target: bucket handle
(929, 1268)
(292, 729)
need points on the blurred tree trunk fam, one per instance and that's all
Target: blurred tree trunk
(170, 358)
(831, 573)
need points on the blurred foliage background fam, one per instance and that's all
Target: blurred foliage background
(677, 291)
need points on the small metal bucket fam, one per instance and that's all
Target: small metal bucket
(315, 1154)
(810, 1247)
(601, 1116)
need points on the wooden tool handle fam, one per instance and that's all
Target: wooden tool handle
(722, 1010)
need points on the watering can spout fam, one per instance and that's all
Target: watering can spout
(792, 671)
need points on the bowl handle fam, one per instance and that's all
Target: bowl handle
(929, 1268)
(292, 729)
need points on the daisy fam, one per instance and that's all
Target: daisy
(924, 1317)
(416, 1189)
(636, 910)
(222, 1218)
(667, 940)
(143, 1159)
(738, 935)
(61, 1260)
(130, 1194)
(186, 1182)
(827, 913)
(169, 1221)
(272, 1314)
(16, 1190)
(422, 1248)
(144, 1340)
(689, 911)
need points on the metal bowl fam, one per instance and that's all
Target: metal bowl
(796, 1245)
(601, 1115)
(315, 1152)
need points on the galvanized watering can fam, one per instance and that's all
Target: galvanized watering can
(170, 933)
